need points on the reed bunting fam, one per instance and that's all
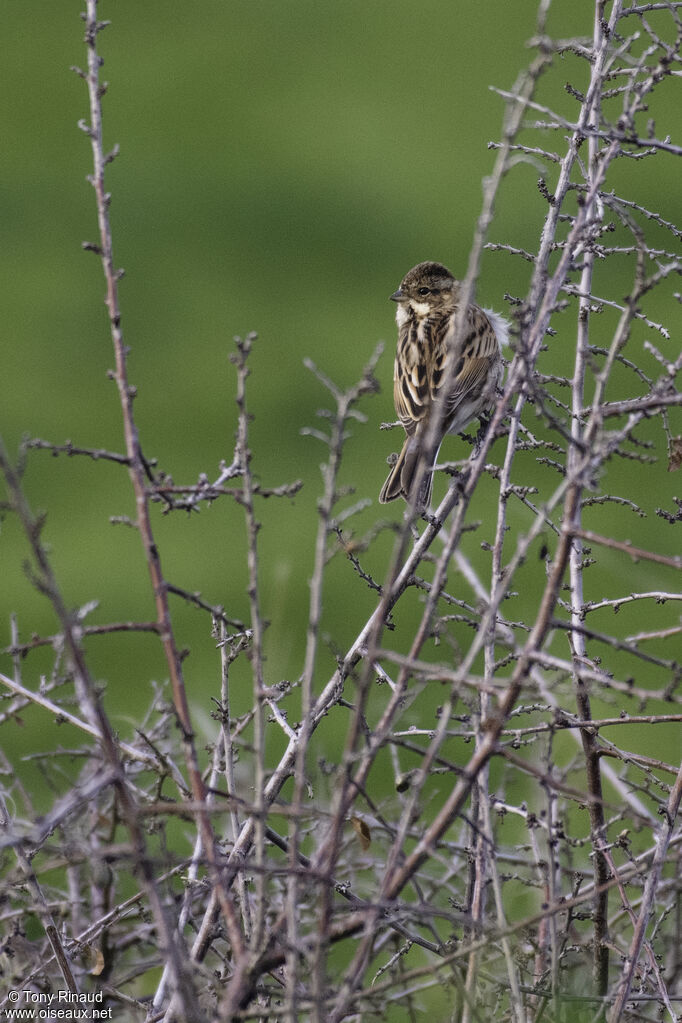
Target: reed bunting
(427, 300)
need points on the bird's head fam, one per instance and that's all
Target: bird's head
(428, 289)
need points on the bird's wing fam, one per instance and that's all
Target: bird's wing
(474, 359)
(410, 383)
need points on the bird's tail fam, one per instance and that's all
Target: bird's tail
(402, 475)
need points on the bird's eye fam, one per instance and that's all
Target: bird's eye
(424, 291)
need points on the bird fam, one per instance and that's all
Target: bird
(428, 356)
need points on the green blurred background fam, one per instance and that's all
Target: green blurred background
(282, 165)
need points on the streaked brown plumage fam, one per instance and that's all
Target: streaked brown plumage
(427, 305)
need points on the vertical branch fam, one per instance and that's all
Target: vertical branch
(513, 120)
(137, 467)
(598, 59)
(228, 652)
(222, 754)
(325, 505)
(591, 114)
(512, 968)
(523, 94)
(476, 896)
(126, 393)
(344, 405)
(252, 528)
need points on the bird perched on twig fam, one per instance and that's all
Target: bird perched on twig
(429, 357)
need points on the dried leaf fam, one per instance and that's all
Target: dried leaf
(675, 454)
(93, 958)
(362, 831)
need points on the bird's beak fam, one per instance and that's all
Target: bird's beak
(398, 296)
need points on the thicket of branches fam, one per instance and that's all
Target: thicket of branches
(272, 901)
